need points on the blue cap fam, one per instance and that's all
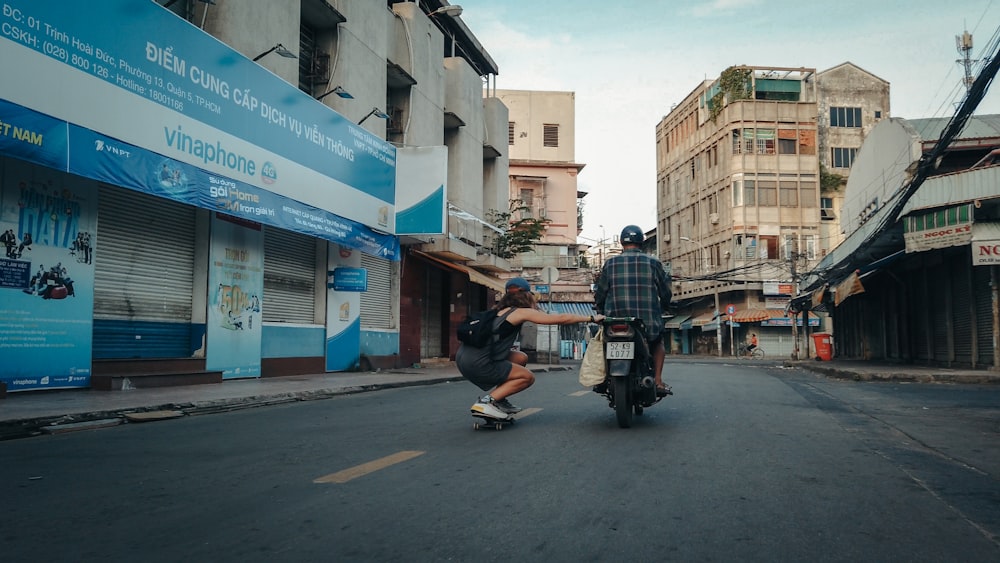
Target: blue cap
(517, 284)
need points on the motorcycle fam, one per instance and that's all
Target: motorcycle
(629, 384)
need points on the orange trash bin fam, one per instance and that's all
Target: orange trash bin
(824, 346)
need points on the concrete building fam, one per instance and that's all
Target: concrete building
(242, 188)
(739, 199)
(851, 102)
(541, 138)
(916, 279)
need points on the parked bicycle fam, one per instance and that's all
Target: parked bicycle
(755, 354)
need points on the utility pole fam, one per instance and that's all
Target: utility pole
(795, 318)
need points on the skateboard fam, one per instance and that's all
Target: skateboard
(484, 421)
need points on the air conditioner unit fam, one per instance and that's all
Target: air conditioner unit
(713, 218)
(666, 237)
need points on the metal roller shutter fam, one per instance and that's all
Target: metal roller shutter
(962, 310)
(376, 303)
(939, 314)
(984, 314)
(144, 258)
(289, 277)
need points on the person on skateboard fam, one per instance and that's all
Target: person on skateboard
(497, 368)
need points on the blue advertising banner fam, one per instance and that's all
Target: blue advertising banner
(47, 225)
(103, 158)
(236, 276)
(134, 71)
(343, 314)
(31, 136)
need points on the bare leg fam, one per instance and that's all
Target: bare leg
(659, 354)
(520, 378)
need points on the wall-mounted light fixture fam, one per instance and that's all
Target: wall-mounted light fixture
(280, 49)
(339, 90)
(377, 113)
(450, 11)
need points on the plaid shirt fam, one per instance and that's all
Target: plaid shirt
(634, 284)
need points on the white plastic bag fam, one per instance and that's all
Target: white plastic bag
(592, 367)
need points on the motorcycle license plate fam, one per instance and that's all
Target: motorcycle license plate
(620, 350)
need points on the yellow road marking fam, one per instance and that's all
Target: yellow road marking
(580, 393)
(366, 468)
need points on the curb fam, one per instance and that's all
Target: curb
(72, 422)
(28, 427)
(964, 378)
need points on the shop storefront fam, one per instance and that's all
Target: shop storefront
(168, 199)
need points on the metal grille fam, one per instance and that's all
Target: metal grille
(376, 303)
(984, 315)
(289, 277)
(144, 258)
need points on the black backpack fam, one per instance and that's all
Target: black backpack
(477, 329)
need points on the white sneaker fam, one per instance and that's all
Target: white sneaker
(507, 407)
(488, 409)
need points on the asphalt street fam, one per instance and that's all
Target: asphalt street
(744, 463)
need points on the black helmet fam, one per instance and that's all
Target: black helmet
(631, 235)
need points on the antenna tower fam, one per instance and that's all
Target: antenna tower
(964, 45)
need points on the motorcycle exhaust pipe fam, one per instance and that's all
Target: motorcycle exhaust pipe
(648, 382)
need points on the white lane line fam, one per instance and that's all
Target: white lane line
(581, 393)
(366, 468)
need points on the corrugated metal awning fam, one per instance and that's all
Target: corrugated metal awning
(576, 308)
(476, 277)
(675, 321)
(754, 315)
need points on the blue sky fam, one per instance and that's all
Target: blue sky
(629, 62)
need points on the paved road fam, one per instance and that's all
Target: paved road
(745, 463)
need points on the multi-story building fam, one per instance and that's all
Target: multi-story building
(541, 138)
(851, 102)
(739, 196)
(255, 188)
(916, 279)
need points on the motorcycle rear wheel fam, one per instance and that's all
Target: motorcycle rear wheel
(623, 402)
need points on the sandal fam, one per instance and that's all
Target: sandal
(662, 390)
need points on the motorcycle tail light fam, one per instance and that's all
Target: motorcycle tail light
(620, 329)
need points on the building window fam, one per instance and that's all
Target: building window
(788, 248)
(510, 132)
(878, 114)
(768, 247)
(807, 194)
(826, 209)
(845, 117)
(749, 195)
(550, 135)
(312, 68)
(767, 193)
(765, 141)
(810, 241)
(789, 194)
(842, 157)
(737, 193)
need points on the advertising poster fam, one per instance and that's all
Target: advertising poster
(48, 223)
(236, 290)
(343, 312)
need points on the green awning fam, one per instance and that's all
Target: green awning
(675, 321)
(776, 85)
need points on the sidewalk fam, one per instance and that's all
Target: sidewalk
(26, 414)
(31, 413)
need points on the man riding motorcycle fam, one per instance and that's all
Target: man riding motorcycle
(634, 284)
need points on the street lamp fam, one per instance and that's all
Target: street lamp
(715, 290)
